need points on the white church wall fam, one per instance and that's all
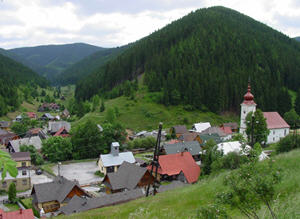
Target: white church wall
(276, 134)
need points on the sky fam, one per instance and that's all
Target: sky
(111, 23)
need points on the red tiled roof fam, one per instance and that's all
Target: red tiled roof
(31, 114)
(173, 164)
(275, 121)
(19, 214)
(226, 130)
(59, 132)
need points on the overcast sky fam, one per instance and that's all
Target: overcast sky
(110, 23)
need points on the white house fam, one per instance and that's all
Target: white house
(200, 127)
(275, 123)
(277, 126)
(110, 162)
(236, 146)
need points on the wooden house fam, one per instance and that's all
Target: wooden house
(128, 177)
(233, 126)
(191, 136)
(5, 125)
(62, 132)
(50, 196)
(31, 115)
(180, 166)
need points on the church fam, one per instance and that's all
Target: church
(275, 123)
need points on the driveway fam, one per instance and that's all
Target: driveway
(82, 172)
(36, 179)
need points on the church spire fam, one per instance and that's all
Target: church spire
(248, 97)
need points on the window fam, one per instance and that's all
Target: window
(24, 172)
(285, 132)
(244, 112)
(23, 164)
(24, 182)
(273, 132)
(15, 182)
(4, 184)
(273, 139)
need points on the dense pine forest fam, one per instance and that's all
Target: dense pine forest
(205, 60)
(88, 65)
(13, 75)
(51, 60)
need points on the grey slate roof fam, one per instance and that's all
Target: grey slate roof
(191, 146)
(207, 137)
(3, 132)
(20, 156)
(4, 124)
(110, 160)
(53, 127)
(127, 176)
(56, 190)
(180, 129)
(214, 130)
(35, 141)
(77, 204)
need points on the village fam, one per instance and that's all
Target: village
(123, 173)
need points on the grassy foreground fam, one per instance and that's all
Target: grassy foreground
(184, 202)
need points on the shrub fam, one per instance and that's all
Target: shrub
(288, 143)
(12, 193)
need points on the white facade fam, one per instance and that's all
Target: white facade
(276, 134)
(245, 109)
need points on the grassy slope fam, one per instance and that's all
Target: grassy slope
(143, 114)
(183, 202)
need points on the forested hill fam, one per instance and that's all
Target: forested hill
(50, 60)
(87, 65)
(297, 38)
(205, 59)
(13, 74)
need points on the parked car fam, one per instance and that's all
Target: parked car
(38, 171)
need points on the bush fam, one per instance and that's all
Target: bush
(12, 193)
(148, 142)
(288, 143)
(98, 173)
(230, 161)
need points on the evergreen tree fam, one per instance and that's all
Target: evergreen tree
(258, 123)
(102, 107)
(12, 193)
(297, 103)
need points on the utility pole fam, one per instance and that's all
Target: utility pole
(154, 163)
(252, 130)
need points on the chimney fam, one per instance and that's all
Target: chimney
(20, 210)
(115, 148)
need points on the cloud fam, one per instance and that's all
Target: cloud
(118, 22)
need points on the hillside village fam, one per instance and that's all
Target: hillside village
(121, 174)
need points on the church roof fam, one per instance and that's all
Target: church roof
(249, 97)
(275, 121)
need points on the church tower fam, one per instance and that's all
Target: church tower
(248, 105)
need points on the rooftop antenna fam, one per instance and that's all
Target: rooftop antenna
(154, 163)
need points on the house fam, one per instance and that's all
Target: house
(79, 204)
(23, 159)
(19, 118)
(180, 166)
(236, 146)
(218, 131)
(47, 116)
(277, 125)
(206, 137)
(48, 106)
(227, 130)
(19, 214)
(233, 125)
(51, 196)
(191, 136)
(191, 146)
(110, 162)
(5, 125)
(172, 141)
(128, 177)
(178, 130)
(14, 145)
(54, 127)
(6, 136)
(31, 115)
(36, 132)
(199, 127)
(65, 114)
(22, 180)
(62, 132)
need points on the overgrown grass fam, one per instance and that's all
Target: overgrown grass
(184, 202)
(48, 168)
(12, 207)
(144, 114)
